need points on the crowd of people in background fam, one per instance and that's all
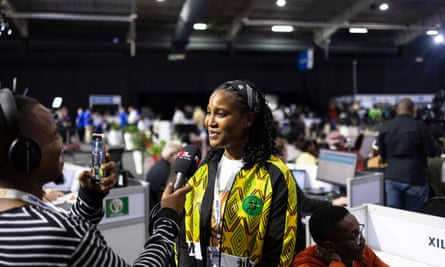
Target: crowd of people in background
(301, 133)
(305, 130)
(87, 120)
(250, 147)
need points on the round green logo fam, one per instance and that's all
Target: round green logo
(252, 205)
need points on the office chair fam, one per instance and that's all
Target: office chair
(435, 206)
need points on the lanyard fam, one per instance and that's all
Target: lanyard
(217, 196)
(9, 193)
(217, 207)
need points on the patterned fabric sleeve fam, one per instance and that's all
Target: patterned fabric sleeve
(157, 252)
(88, 206)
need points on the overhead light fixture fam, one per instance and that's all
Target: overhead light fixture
(383, 7)
(57, 102)
(438, 39)
(419, 59)
(432, 32)
(280, 3)
(200, 26)
(176, 56)
(282, 28)
(358, 30)
(5, 28)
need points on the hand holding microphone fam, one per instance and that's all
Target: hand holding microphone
(174, 199)
(185, 164)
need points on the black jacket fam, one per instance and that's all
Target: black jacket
(404, 144)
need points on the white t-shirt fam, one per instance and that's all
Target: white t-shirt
(227, 170)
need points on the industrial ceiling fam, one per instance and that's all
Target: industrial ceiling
(234, 26)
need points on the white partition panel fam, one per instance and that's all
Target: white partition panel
(399, 237)
(410, 235)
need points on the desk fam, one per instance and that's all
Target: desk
(125, 224)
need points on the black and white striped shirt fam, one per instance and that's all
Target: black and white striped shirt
(35, 236)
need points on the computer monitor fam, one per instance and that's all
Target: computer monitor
(312, 182)
(366, 189)
(336, 167)
(301, 178)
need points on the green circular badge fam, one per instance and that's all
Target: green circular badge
(252, 205)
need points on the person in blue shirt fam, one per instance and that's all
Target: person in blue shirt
(80, 125)
(123, 117)
(88, 125)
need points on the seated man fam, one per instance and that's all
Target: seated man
(162, 170)
(339, 241)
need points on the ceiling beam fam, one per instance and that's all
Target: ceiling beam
(322, 36)
(316, 24)
(237, 22)
(71, 16)
(406, 37)
(433, 22)
(20, 24)
(131, 34)
(191, 12)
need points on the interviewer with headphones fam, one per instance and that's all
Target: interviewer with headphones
(34, 232)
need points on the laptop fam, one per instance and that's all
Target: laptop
(70, 175)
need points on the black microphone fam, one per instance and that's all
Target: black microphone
(186, 162)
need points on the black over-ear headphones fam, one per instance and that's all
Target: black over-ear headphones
(24, 153)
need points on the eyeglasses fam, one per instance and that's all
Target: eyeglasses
(357, 238)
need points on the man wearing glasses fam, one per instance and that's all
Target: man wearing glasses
(339, 241)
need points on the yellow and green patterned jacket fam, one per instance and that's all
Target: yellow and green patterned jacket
(259, 223)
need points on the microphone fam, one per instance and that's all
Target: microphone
(186, 162)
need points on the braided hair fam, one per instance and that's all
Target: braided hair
(261, 142)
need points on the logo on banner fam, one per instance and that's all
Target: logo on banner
(116, 207)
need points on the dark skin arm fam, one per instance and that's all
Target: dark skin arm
(175, 200)
(86, 178)
(86, 181)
